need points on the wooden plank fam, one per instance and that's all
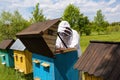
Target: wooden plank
(3, 63)
(101, 62)
(84, 58)
(51, 46)
(21, 71)
(54, 29)
(48, 41)
(91, 58)
(37, 79)
(2, 55)
(54, 32)
(36, 61)
(62, 50)
(49, 37)
(69, 49)
(45, 64)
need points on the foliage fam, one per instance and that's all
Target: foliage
(71, 14)
(77, 20)
(113, 29)
(101, 24)
(10, 24)
(115, 24)
(37, 15)
(87, 29)
(84, 25)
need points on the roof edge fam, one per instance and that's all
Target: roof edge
(106, 42)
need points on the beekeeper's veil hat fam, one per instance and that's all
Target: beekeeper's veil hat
(64, 27)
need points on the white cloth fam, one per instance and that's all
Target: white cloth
(72, 41)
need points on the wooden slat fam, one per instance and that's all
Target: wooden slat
(79, 63)
(88, 57)
(92, 59)
(91, 77)
(3, 63)
(54, 31)
(100, 63)
(49, 37)
(51, 46)
(48, 41)
(65, 50)
(2, 55)
(37, 79)
(69, 49)
(36, 61)
(45, 64)
(21, 71)
(98, 53)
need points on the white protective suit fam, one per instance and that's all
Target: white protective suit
(69, 36)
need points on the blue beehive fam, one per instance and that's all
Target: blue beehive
(6, 53)
(58, 68)
(40, 39)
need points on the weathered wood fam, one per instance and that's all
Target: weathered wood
(37, 79)
(45, 64)
(91, 77)
(36, 61)
(48, 41)
(61, 50)
(45, 36)
(23, 61)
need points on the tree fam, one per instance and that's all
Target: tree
(71, 14)
(86, 27)
(11, 24)
(83, 22)
(77, 20)
(37, 15)
(100, 22)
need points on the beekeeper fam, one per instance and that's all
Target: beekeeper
(67, 37)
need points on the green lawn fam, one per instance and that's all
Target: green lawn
(84, 40)
(11, 74)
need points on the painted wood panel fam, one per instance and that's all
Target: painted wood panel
(23, 61)
(41, 72)
(64, 64)
(7, 58)
(58, 68)
(91, 77)
(50, 36)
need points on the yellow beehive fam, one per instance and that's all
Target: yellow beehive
(23, 61)
(22, 57)
(87, 76)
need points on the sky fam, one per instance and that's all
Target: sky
(54, 8)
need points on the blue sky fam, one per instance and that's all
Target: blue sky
(54, 8)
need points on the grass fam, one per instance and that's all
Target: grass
(7, 73)
(84, 41)
(11, 74)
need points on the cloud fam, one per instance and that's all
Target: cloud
(54, 8)
(111, 2)
(116, 8)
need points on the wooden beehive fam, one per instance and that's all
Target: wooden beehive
(6, 53)
(58, 68)
(100, 61)
(22, 57)
(40, 39)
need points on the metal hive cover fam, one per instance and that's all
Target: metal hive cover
(18, 45)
